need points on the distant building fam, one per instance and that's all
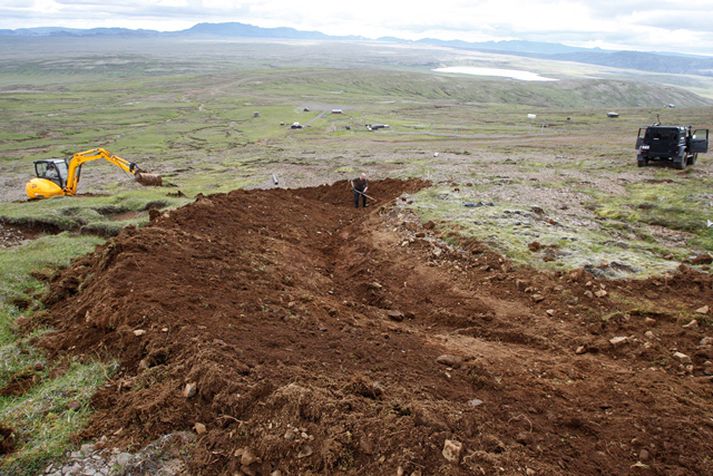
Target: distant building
(612, 114)
(337, 111)
(296, 125)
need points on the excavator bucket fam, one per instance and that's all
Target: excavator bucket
(149, 180)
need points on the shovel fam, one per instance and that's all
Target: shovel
(362, 193)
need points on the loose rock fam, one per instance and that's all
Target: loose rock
(449, 360)
(248, 457)
(681, 357)
(703, 310)
(619, 340)
(189, 390)
(452, 450)
(691, 325)
(139, 332)
(305, 451)
(200, 428)
(397, 316)
(600, 293)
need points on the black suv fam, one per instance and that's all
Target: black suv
(678, 145)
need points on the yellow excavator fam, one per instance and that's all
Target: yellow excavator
(60, 177)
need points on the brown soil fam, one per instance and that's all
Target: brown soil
(11, 235)
(19, 383)
(275, 303)
(7, 440)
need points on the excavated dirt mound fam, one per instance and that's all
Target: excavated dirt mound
(305, 336)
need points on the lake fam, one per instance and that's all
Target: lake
(503, 73)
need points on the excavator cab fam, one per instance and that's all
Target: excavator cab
(53, 170)
(50, 180)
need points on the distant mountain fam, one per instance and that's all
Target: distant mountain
(510, 46)
(242, 30)
(654, 62)
(77, 32)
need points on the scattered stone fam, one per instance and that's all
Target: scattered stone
(649, 335)
(600, 293)
(691, 325)
(475, 402)
(122, 459)
(702, 310)
(429, 225)
(534, 246)
(139, 332)
(420, 234)
(708, 367)
(681, 357)
(619, 340)
(581, 350)
(200, 428)
(452, 450)
(277, 472)
(530, 472)
(649, 321)
(74, 405)
(39, 366)
(644, 455)
(706, 341)
(190, 390)
(375, 285)
(305, 451)
(87, 449)
(397, 316)
(550, 312)
(449, 360)
(248, 457)
(538, 297)
(589, 294)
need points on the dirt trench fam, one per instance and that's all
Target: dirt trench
(327, 340)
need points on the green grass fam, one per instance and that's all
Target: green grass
(43, 421)
(682, 204)
(510, 227)
(40, 417)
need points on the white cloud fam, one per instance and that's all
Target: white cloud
(633, 24)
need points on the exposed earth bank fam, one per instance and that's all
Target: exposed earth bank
(295, 335)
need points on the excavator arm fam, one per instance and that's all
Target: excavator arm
(75, 165)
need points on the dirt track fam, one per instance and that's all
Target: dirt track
(276, 304)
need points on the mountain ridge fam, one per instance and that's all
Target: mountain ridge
(657, 62)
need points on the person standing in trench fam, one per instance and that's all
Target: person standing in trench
(360, 186)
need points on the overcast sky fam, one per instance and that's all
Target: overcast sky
(685, 26)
